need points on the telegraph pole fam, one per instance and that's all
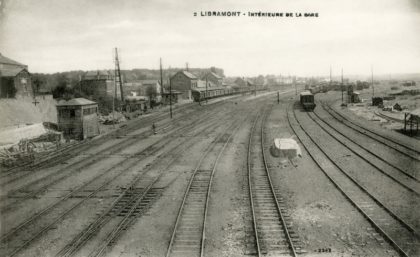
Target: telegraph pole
(373, 87)
(342, 87)
(170, 97)
(294, 83)
(330, 75)
(113, 101)
(118, 74)
(206, 90)
(161, 80)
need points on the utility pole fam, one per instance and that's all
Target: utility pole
(170, 97)
(330, 76)
(161, 80)
(118, 75)
(373, 87)
(294, 84)
(113, 101)
(278, 97)
(206, 90)
(342, 87)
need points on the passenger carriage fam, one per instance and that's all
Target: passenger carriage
(307, 101)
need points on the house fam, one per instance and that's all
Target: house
(152, 89)
(242, 82)
(149, 88)
(78, 118)
(170, 97)
(98, 84)
(15, 79)
(136, 103)
(184, 82)
(213, 78)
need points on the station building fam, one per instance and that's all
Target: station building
(213, 78)
(184, 82)
(15, 79)
(78, 118)
(98, 84)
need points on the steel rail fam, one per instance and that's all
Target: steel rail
(87, 144)
(32, 218)
(187, 191)
(118, 146)
(330, 110)
(364, 189)
(366, 149)
(272, 189)
(336, 184)
(6, 208)
(251, 198)
(255, 223)
(364, 158)
(84, 236)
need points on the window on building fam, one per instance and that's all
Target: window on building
(64, 113)
(90, 110)
(72, 114)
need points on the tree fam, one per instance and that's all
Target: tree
(63, 88)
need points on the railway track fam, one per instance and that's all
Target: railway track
(18, 238)
(42, 183)
(400, 235)
(29, 190)
(388, 118)
(409, 151)
(271, 224)
(408, 173)
(189, 232)
(100, 155)
(398, 175)
(66, 153)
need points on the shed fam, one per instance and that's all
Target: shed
(411, 122)
(354, 97)
(170, 97)
(377, 101)
(78, 118)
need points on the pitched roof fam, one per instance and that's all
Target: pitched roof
(214, 74)
(189, 74)
(75, 101)
(5, 60)
(11, 72)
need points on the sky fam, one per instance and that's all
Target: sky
(354, 35)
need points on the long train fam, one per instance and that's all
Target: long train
(200, 94)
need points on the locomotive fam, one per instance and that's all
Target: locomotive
(307, 101)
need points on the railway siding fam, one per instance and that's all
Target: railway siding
(391, 139)
(399, 235)
(44, 217)
(394, 196)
